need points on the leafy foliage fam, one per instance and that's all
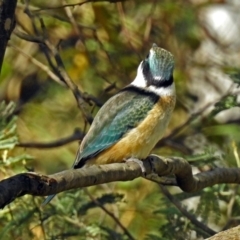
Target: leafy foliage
(8, 135)
(225, 103)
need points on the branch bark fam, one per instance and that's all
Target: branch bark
(7, 24)
(230, 234)
(42, 185)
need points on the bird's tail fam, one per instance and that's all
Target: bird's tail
(48, 199)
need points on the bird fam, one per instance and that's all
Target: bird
(130, 123)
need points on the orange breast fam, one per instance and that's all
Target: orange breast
(140, 141)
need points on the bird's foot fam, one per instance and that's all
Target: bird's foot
(139, 162)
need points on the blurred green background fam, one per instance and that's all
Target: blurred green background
(101, 45)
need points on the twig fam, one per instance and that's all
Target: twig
(76, 4)
(185, 124)
(73, 87)
(49, 49)
(77, 135)
(178, 129)
(187, 214)
(71, 18)
(27, 37)
(110, 214)
(43, 67)
(161, 180)
(90, 98)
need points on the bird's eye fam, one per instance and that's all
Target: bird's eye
(147, 56)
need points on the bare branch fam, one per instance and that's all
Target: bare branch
(193, 117)
(27, 37)
(45, 68)
(41, 185)
(76, 4)
(115, 219)
(77, 135)
(58, 67)
(232, 233)
(72, 86)
(187, 214)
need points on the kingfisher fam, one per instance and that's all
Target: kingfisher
(131, 122)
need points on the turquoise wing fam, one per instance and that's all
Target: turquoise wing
(119, 114)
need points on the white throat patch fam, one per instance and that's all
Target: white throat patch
(140, 82)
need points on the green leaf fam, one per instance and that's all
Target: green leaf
(8, 126)
(13, 160)
(234, 74)
(228, 130)
(225, 103)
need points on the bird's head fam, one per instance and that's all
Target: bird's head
(158, 66)
(156, 69)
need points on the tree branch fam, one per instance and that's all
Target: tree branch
(186, 213)
(58, 67)
(115, 219)
(77, 135)
(41, 185)
(229, 234)
(76, 4)
(40, 65)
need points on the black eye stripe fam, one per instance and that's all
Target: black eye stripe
(150, 79)
(145, 65)
(146, 71)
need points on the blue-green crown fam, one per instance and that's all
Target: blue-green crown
(158, 66)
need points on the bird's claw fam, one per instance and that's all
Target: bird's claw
(139, 162)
